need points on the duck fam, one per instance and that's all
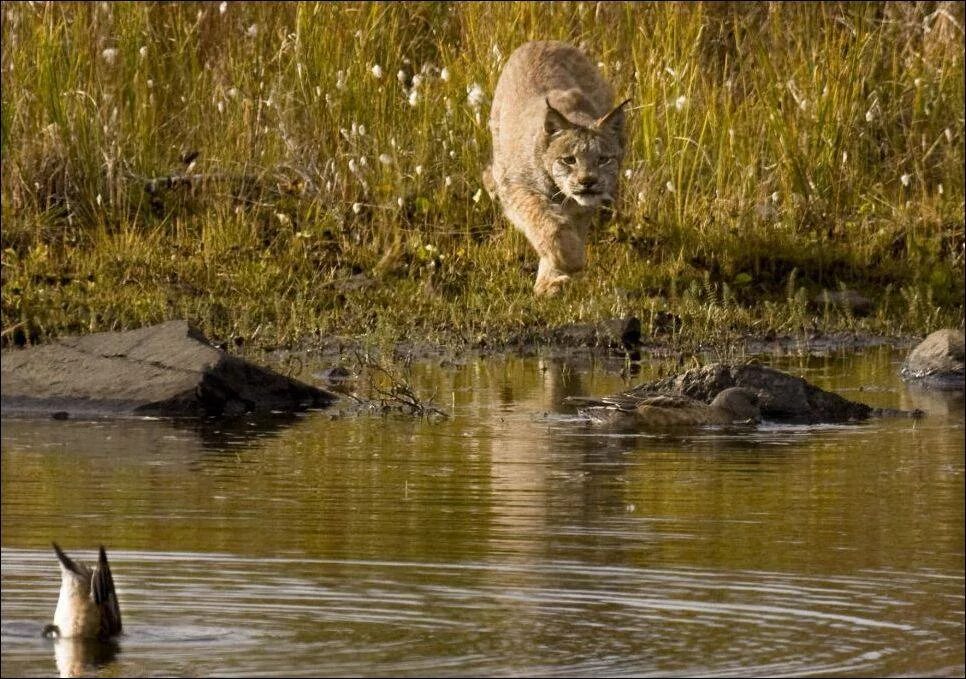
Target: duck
(735, 405)
(87, 607)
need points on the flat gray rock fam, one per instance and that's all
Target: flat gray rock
(937, 362)
(782, 397)
(166, 369)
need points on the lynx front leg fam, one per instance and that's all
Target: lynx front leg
(559, 244)
(561, 255)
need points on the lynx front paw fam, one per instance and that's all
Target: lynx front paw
(550, 285)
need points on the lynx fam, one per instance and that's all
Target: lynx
(557, 148)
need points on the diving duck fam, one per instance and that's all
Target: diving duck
(87, 607)
(735, 405)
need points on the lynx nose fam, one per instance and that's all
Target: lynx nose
(587, 181)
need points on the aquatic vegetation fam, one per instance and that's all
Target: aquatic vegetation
(256, 168)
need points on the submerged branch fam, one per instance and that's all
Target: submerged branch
(399, 395)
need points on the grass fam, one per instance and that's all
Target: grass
(775, 150)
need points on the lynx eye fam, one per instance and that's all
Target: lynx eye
(607, 160)
(568, 160)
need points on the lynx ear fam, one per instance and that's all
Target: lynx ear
(555, 121)
(610, 117)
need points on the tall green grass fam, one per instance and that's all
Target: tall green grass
(776, 149)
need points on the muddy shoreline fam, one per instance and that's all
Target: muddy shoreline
(557, 344)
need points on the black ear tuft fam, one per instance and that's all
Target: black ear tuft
(612, 116)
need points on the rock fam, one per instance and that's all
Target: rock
(166, 369)
(782, 397)
(614, 333)
(849, 300)
(937, 362)
(337, 378)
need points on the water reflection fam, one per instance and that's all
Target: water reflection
(83, 657)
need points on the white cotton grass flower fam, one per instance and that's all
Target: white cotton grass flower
(477, 195)
(402, 77)
(252, 31)
(356, 208)
(444, 74)
(680, 103)
(413, 97)
(109, 55)
(670, 187)
(377, 72)
(417, 80)
(475, 96)
(340, 80)
(949, 135)
(905, 179)
(353, 167)
(385, 159)
(223, 7)
(873, 111)
(448, 181)
(400, 202)
(143, 51)
(418, 169)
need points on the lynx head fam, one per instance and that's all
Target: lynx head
(584, 161)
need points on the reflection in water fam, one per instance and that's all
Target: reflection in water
(511, 538)
(83, 657)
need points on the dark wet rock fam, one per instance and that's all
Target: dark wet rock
(782, 397)
(337, 378)
(849, 300)
(166, 369)
(937, 362)
(614, 333)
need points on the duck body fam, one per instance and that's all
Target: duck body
(735, 405)
(87, 606)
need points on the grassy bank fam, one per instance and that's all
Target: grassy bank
(335, 152)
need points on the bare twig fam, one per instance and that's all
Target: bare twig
(399, 395)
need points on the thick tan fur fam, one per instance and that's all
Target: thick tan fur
(557, 147)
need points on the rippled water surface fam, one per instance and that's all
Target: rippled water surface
(510, 539)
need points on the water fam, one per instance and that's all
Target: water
(509, 540)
